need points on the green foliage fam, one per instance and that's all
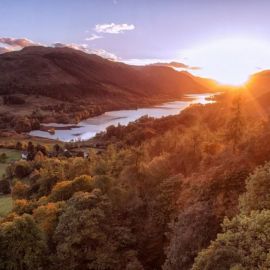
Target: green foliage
(12, 155)
(154, 197)
(257, 195)
(20, 190)
(22, 206)
(3, 157)
(22, 244)
(5, 205)
(244, 244)
(22, 169)
(192, 231)
(85, 236)
(4, 187)
(64, 190)
(47, 217)
(165, 198)
(235, 126)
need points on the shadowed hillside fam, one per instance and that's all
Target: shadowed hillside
(65, 73)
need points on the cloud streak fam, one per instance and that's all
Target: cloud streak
(17, 42)
(84, 48)
(93, 37)
(113, 28)
(13, 44)
(176, 65)
(4, 50)
(80, 47)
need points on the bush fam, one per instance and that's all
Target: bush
(22, 169)
(3, 158)
(20, 190)
(5, 187)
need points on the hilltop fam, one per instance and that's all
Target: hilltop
(66, 85)
(65, 73)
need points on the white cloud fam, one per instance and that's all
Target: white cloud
(4, 50)
(13, 44)
(104, 54)
(80, 47)
(84, 48)
(113, 28)
(93, 37)
(17, 42)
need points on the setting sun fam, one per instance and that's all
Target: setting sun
(229, 61)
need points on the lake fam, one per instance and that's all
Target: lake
(88, 128)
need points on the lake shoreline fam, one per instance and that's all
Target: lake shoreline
(88, 128)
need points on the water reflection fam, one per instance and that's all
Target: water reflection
(90, 127)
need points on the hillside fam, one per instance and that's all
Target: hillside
(65, 73)
(154, 197)
(258, 83)
(44, 84)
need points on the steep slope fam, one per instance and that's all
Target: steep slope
(66, 73)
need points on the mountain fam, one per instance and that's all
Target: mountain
(258, 83)
(258, 91)
(67, 74)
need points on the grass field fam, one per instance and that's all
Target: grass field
(5, 205)
(10, 141)
(12, 155)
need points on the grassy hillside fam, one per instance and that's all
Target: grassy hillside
(12, 155)
(6, 204)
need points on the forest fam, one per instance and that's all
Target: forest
(189, 191)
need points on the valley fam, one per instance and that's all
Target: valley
(90, 127)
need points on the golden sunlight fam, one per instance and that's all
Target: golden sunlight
(229, 61)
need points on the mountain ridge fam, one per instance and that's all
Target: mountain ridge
(65, 71)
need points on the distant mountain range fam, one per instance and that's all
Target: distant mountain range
(68, 74)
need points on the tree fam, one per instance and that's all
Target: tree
(47, 216)
(23, 206)
(81, 232)
(20, 190)
(5, 187)
(235, 126)
(88, 235)
(192, 231)
(31, 151)
(22, 169)
(22, 244)
(19, 146)
(64, 190)
(3, 158)
(257, 195)
(244, 244)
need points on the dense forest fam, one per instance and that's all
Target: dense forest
(182, 192)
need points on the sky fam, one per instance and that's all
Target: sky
(226, 39)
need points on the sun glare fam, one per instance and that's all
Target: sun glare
(229, 61)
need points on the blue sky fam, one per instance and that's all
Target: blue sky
(155, 29)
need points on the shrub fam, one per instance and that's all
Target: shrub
(4, 187)
(22, 169)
